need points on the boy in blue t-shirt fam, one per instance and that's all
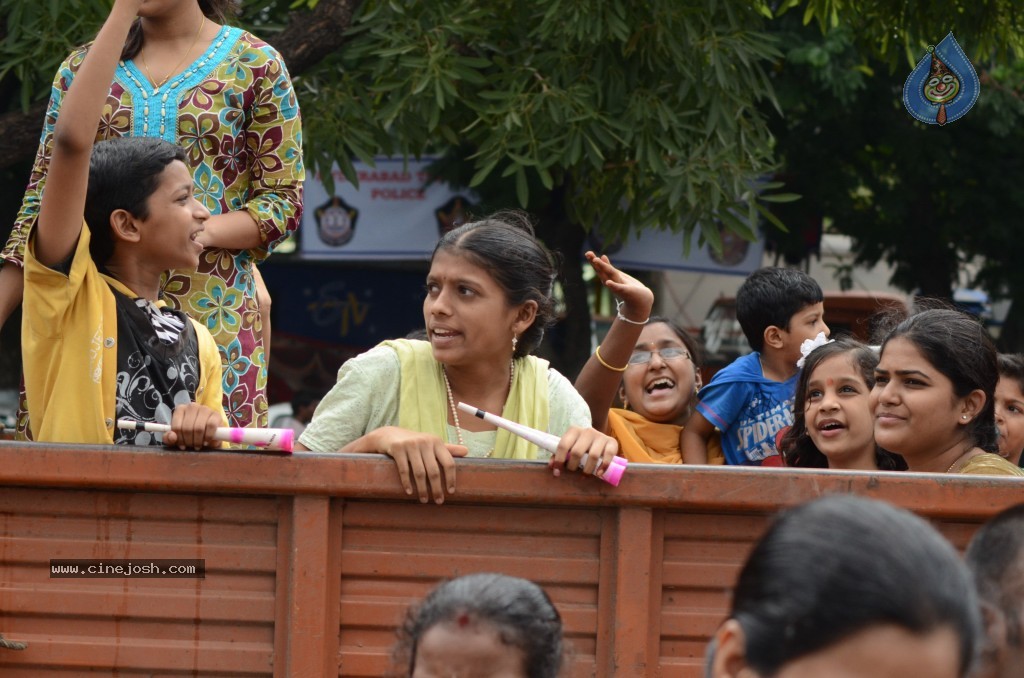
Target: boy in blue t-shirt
(751, 399)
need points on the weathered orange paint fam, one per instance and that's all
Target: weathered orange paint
(312, 560)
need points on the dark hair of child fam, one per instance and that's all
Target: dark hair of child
(771, 296)
(123, 173)
(520, 611)
(303, 398)
(994, 558)
(1011, 366)
(837, 566)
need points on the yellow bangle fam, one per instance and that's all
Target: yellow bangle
(597, 354)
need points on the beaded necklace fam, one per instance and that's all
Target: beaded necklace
(451, 400)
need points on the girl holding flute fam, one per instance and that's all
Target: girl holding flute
(488, 301)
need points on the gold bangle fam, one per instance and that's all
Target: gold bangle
(597, 354)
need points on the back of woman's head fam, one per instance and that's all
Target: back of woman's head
(520, 611)
(958, 346)
(505, 246)
(836, 566)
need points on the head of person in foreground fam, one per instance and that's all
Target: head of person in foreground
(482, 625)
(853, 587)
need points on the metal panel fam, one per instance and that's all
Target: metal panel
(312, 560)
(393, 553)
(221, 625)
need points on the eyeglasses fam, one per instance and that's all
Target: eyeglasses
(667, 353)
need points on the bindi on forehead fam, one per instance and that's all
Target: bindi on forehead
(830, 382)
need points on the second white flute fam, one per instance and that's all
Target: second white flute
(279, 439)
(543, 440)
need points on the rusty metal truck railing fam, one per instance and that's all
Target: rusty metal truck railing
(311, 560)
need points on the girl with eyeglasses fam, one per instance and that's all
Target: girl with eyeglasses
(653, 366)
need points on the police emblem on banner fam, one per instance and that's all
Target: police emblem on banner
(336, 222)
(453, 214)
(943, 86)
(734, 247)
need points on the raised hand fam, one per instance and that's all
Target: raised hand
(637, 298)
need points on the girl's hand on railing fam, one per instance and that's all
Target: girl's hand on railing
(424, 462)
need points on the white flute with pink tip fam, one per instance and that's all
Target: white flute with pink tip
(277, 439)
(544, 440)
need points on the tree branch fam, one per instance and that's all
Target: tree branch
(311, 36)
(305, 41)
(19, 134)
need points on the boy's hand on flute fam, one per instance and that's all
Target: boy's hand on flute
(193, 427)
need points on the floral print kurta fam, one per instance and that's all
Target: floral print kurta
(234, 112)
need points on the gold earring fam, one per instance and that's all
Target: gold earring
(515, 342)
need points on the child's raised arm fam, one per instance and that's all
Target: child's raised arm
(693, 441)
(599, 379)
(62, 207)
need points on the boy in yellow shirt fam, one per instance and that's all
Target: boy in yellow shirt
(97, 345)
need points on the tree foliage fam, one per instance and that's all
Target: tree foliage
(648, 114)
(925, 199)
(642, 114)
(632, 115)
(895, 32)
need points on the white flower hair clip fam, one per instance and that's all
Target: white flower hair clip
(809, 345)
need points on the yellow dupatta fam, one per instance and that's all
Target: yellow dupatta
(423, 402)
(647, 442)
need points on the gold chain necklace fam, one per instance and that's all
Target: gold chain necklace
(451, 399)
(956, 461)
(173, 71)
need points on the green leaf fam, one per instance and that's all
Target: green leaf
(780, 197)
(770, 216)
(809, 13)
(522, 190)
(482, 173)
(545, 178)
(737, 225)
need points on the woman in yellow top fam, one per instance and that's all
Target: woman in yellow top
(488, 301)
(934, 395)
(654, 367)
